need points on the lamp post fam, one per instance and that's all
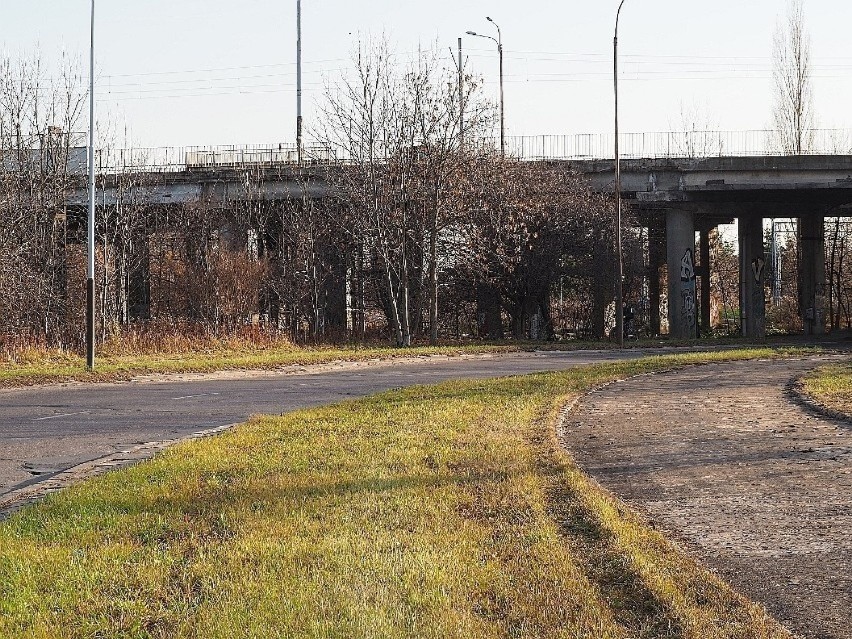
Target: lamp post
(90, 269)
(461, 97)
(299, 81)
(619, 282)
(499, 41)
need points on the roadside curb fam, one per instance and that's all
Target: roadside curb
(32, 492)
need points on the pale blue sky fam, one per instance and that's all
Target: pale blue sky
(184, 72)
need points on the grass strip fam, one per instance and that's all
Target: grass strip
(56, 367)
(830, 386)
(121, 362)
(446, 511)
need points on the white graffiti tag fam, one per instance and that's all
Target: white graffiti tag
(687, 267)
(757, 266)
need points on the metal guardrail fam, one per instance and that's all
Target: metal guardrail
(655, 145)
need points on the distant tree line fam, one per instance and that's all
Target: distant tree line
(425, 231)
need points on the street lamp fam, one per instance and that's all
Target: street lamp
(619, 283)
(299, 81)
(90, 270)
(499, 41)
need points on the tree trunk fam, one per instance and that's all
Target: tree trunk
(433, 278)
(406, 313)
(488, 312)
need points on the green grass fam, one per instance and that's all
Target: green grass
(445, 511)
(54, 367)
(120, 362)
(831, 386)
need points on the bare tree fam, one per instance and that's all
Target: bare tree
(531, 226)
(37, 117)
(398, 131)
(793, 112)
(696, 134)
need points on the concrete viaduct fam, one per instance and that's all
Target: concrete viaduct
(675, 199)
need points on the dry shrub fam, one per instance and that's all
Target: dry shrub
(179, 337)
(24, 348)
(784, 318)
(147, 339)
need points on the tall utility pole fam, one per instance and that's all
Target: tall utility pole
(90, 270)
(499, 41)
(461, 97)
(299, 80)
(619, 278)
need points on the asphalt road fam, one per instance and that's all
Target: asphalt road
(47, 430)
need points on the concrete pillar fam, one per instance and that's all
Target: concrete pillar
(680, 250)
(704, 249)
(752, 277)
(655, 258)
(812, 273)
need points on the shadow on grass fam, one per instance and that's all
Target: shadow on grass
(633, 605)
(217, 502)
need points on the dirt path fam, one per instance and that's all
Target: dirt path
(723, 458)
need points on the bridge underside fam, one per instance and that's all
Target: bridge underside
(675, 199)
(675, 217)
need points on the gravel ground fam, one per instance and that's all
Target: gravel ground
(722, 457)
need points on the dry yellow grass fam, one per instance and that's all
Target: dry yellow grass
(445, 511)
(831, 386)
(39, 366)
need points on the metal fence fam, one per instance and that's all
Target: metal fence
(676, 145)
(657, 145)
(175, 159)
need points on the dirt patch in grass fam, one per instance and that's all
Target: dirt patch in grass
(447, 511)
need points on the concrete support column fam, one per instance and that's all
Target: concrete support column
(812, 273)
(655, 260)
(704, 245)
(680, 250)
(752, 277)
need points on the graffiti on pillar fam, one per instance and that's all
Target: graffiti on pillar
(688, 313)
(758, 265)
(687, 267)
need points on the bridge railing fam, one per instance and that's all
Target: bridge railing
(677, 145)
(176, 159)
(655, 145)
